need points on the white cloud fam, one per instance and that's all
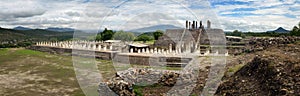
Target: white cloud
(137, 13)
(270, 14)
(18, 9)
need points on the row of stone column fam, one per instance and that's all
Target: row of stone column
(100, 46)
(170, 51)
(78, 45)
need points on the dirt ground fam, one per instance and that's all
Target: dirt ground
(274, 71)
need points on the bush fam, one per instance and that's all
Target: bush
(144, 38)
(124, 36)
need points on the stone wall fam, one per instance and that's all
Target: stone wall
(127, 58)
(86, 53)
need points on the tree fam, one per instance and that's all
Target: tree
(157, 34)
(144, 38)
(124, 36)
(98, 37)
(105, 35)
(296, 30)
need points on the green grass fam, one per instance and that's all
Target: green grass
(235, 68)
(29, 52)
(3, 51)
(138, 89)
(42, 71)
(147, 42)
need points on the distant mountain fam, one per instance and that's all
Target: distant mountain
(60, 29)
(280, 30)
(154, 28)
(21, 28)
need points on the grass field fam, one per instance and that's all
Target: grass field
(26, 72)
(31, 73)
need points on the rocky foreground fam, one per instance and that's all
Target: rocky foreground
(272, 67)
(274, 71)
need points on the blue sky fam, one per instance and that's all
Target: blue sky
(244, 15)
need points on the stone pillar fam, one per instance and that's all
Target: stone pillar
(208, 24)
(227, 54)
(207, 52)
(164, 51)
(151, 51)
(105, 47)
(89, 46)
(139, 50)
(94, 47)
(131, 50)
(217, 52)
(147, 50)
(158, 51)
(82, 46)
(167, 51)
(170, 47)
(188, 48)
(99, 47)
(110, 47)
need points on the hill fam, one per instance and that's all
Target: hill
(154, 28)
(280, 30)
(60, 29)
(21, 28)
(15, 38)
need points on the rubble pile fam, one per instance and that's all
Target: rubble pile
(274, 71)
(259, 44)
(122, 83)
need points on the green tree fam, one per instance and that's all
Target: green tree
(236, 33)
(144, 38)
(98, 37)
(296, 30)
(157, 34)
(53, 39)
(124, 36)
(105, 35)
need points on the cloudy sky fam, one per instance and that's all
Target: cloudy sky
(244, 15)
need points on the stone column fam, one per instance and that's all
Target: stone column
(151, 51)
(94, 47)
(139, 50)
(105, 47)
(207, 52)
(227, 54)
(110, 47)
(170, 48)
(189, 48)
(217, 52)
(158, 51)
(155, 50)
(99, 47)
(131, 50)
(147, 50)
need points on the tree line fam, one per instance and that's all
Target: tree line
(294, 32)
(127, 36)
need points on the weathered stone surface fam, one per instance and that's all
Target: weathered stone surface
(259, 44)
(273, 72)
